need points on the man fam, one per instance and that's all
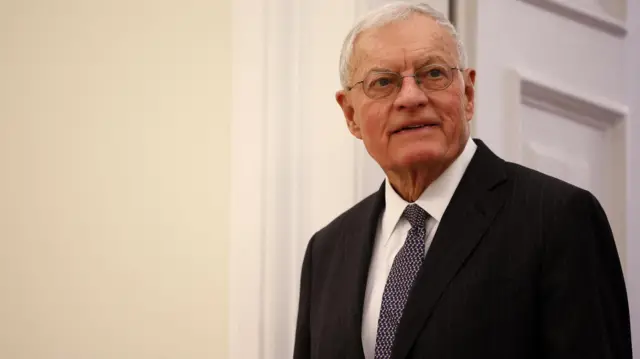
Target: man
(459, 254)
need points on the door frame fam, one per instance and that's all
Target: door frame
(271, 190)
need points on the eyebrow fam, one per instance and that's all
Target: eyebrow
(428, 60)
(379, 69)
(431, 59)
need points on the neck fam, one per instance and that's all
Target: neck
(410, 184)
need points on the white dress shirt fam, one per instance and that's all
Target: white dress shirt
(392, 231)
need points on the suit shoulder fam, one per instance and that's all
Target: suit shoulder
(559, 211)
(354, 216)
(528, 181)
(540, 194)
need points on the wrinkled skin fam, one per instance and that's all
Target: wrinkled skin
(410, 159)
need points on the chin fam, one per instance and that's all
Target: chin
(425, 155)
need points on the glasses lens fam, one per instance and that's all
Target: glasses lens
(380, 84)
(434, 77)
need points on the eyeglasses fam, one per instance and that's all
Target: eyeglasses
(379, 84)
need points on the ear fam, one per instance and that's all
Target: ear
(349, 113)
(470, 93)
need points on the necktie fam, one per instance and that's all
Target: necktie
(405, 267)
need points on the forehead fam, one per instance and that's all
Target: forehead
(403, 44)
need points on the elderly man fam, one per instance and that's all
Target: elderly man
(460, 254)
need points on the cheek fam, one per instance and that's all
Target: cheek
(373, 121)
(450, 108)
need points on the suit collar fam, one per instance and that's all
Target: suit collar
(473, 207)
(358, 240)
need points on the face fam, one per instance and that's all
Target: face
(411, 128)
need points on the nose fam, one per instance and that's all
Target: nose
(410, 95)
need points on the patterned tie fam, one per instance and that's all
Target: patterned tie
(403, 272)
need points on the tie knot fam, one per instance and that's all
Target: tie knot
(415, 215)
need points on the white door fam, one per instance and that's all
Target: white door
(550, 90)
(552, 95)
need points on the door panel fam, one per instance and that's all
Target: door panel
(549, 92)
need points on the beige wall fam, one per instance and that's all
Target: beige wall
(114, 141)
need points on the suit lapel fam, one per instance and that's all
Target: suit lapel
(473, 207)
(358, 241)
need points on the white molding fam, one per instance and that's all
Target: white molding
(273, 43)
(282, 204)
(265, 177)
(248, 144)
(601, 22)
(569, 103)
(533, 90)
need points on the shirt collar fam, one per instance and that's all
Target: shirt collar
(434, 199)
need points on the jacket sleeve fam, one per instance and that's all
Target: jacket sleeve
(302, 343)
(584, 311)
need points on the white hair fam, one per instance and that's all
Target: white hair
(386, 14)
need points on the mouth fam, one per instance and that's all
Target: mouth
(414, 128)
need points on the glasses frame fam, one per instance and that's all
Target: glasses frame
(401, 77)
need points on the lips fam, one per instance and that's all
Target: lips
(413, 127)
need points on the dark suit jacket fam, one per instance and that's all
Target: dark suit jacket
(522, 266)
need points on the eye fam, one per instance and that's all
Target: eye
(434, 73)
(382, 81)
(434, 76)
